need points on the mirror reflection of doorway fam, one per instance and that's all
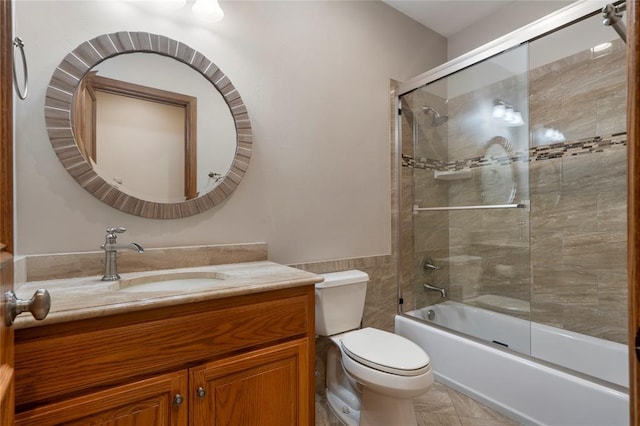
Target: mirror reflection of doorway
(143, 139)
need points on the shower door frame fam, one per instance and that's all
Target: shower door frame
(633, 197)
(562, 18)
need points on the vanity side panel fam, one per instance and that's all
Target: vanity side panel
(63, 360)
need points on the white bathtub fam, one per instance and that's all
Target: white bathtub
(529, 391)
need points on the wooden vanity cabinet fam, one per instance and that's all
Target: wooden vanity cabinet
(141, 403)
(263, 387)
(244, 360)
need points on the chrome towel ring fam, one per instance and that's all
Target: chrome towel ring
(22, 94)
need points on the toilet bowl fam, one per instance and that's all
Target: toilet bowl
(372, 375)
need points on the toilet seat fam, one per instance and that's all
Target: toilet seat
(385, 352)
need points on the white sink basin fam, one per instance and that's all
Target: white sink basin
(179, 281)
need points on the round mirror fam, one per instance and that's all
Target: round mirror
(148, 125)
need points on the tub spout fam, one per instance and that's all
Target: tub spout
(443, 292)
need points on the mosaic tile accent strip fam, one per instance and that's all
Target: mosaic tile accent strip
(575, 148)
(423, 163)
(539, 153)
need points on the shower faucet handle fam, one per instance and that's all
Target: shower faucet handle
(429, 266)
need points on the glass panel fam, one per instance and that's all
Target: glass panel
(579, 181)
(470, 159)
(520, 219)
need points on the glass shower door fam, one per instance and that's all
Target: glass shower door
(514, 213)
(578, 84)
(466, 140)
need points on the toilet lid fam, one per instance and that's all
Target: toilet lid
(385, 351)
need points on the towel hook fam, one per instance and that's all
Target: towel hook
(22, 94)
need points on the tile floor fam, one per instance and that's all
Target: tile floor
(440, 406)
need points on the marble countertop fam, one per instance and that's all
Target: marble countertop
(80, 298)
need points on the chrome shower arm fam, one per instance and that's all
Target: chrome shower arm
(613, 17)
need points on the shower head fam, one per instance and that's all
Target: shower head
(437, 119)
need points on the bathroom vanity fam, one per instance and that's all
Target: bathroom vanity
(241, 352)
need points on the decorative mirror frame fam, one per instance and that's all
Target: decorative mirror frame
(58, 111)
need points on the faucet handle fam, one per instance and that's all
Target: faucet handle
(118, 230)
(111, 236)
(429, 266)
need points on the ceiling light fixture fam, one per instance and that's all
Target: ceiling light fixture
(553, 135)
(511, 116)
(498, 110)
(516, 120)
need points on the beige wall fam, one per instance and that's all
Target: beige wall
(514, 15)
(315, 79)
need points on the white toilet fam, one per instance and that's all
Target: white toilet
(372, 375)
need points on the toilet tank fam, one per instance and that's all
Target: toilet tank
(340, 301)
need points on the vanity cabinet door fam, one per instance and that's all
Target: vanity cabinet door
(158, 401)
(266, 387)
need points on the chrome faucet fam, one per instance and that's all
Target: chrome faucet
(443, 292)
(111, 248)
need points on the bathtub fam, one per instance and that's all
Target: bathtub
(536, 390)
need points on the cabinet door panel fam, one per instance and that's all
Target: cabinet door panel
(147, 402)
(267, 387)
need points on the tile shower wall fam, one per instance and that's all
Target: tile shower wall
(567, 257)
(578, 195)
(578, 244)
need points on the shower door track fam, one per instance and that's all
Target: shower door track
(480, 207)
